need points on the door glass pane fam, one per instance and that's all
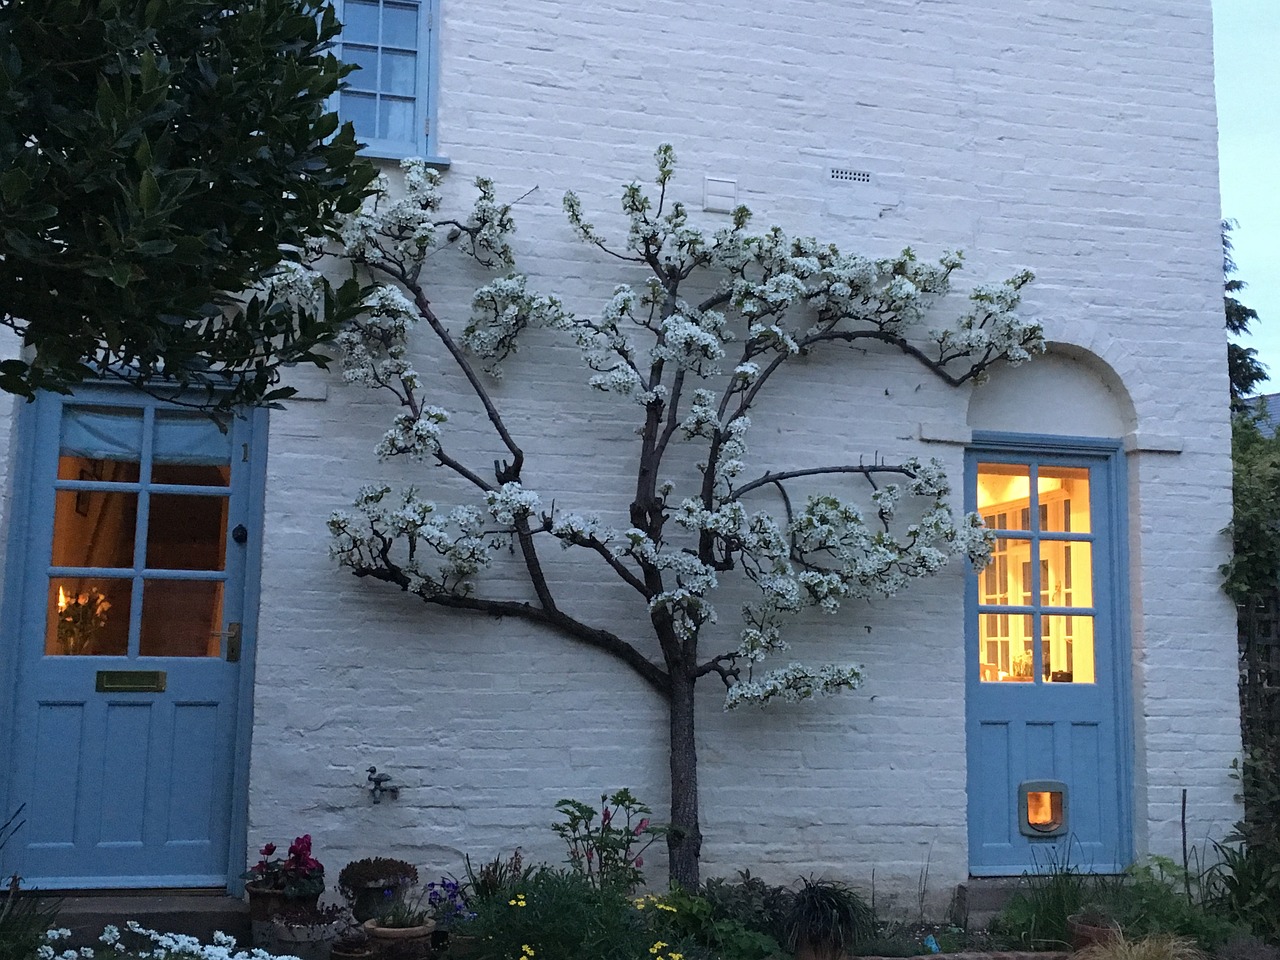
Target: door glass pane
(1001, 581)
(88, 616)
(190, 448)
(1068, 573)
(105, 441)
(1064, 499)
(181, 618)
(1004, 648)
(1069, 641)
(94, 528)
(1004, 495)
(187, 532)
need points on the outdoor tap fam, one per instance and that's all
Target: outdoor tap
(379, 785)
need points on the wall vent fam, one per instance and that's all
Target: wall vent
(849, 175)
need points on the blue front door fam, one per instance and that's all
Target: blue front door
(126, 619)
(1047, 668)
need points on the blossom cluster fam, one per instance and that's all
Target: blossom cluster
(162, 946)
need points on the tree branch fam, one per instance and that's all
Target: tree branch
(768, 478)
(575, 629)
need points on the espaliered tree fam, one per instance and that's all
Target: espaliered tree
(692, 372)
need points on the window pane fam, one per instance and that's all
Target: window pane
(1069, 641)
(400, 24)
(399, 73)
(1004, 492)
(362, 110)
(105, 441)
(187, 533)
(359, 22)
(1064, 499)
(366, 58)
(1068, 567)
(94, 528)
(88, 616)
(190, 446)
(181, 618)
(395, 119)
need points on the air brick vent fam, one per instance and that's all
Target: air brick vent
(849, 175)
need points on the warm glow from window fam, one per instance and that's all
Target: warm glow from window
(1024, 633)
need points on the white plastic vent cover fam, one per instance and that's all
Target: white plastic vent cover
(848, 175)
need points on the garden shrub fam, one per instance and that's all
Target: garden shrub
(23, 917)
(562, 915)
(1152, 899)
(758, 906)
(688, 917)
(1247, 887)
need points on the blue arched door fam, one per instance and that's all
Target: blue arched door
(1049, 775)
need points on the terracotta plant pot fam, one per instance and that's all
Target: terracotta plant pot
(1084, 930)
(265, 902)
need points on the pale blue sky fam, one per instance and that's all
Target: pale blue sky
(1247, 65)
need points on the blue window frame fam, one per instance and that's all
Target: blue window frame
(391, 97)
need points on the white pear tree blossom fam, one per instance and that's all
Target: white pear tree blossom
(692, 368)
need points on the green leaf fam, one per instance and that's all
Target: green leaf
(148, 192)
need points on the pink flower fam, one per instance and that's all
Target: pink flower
(268, 850)
(642, 826)
(605, 816)
(301, 847)
(639, 861)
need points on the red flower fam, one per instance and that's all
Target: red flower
(301, 847)
(268, 849)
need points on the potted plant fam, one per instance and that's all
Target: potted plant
(1092, 925)
(405, 927)
(371, 885)
(447, 902)
(307, 932)
(825, 919)
(276, 885)
(353, 943)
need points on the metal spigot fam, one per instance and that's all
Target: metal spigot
(379, 785)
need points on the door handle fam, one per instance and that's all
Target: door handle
(232, 636)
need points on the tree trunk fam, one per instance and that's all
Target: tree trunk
(684, 842)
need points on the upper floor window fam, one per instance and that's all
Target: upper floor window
(390, 98)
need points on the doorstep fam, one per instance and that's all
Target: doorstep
(198, 913)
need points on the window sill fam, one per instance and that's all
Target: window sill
(437, 163)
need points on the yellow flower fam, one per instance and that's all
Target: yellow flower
(667, 907)
(657, 947)
(639, 903)
(675, 956)
(526, 950)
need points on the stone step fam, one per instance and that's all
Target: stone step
(978, 900)
(198, 913)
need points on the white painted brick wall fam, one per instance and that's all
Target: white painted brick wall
(1076, 140)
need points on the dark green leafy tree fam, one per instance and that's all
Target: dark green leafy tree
(156, 158)
(1245, 369)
